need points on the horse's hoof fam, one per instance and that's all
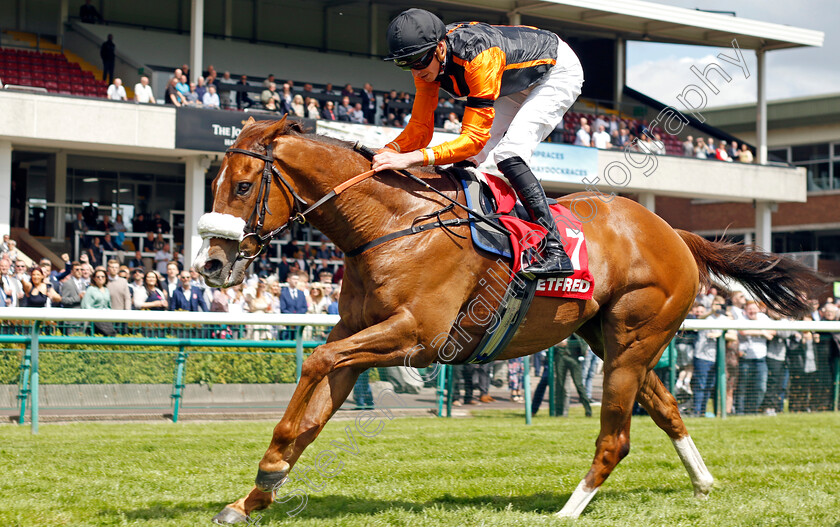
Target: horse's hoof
(270, 481)
(229, 516)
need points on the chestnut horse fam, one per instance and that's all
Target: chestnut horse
(397, 297)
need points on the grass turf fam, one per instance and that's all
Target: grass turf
(488, 470)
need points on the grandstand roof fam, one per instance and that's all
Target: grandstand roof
(640, 20)
(798, 111)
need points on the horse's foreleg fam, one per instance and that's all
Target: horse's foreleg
(328, 397)
(613, 443)
(383, 344)
(662, 407)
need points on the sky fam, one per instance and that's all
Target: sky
(662, 70)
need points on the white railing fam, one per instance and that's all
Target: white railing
(164, 317)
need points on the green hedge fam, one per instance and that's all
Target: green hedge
(234, 366)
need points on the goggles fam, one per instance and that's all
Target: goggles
(416, 62)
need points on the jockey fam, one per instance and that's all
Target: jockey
(518, 82)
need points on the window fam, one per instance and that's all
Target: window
(809, 152)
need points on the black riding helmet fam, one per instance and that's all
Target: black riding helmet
(412, 34)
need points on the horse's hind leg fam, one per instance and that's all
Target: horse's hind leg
(662, 407)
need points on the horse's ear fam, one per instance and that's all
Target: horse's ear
(249, 122)
(279, 127)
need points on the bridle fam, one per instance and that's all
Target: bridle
(252, 243)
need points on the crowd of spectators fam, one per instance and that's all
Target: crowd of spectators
(763, 367)
(116, 285)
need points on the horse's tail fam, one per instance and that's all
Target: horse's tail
(783, 284)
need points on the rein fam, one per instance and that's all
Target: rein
(252, 243)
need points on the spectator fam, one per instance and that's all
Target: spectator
(136, 284)
(582, 137)
(270, 94)
(328, 113)
(516, 377)
(623, 137)
(452, 124)
(150, 298)
(187, 297)
(91, 214)
(4, 246)
(710, 147)
(162, 258)
(21, 272)
(369, 103)
(752, 368)
(97, 296)
(348, 90)
(567, 356)
(705, 358)
(55, 278)
(211, 98)
(119, 225)
(286, 98)
(37, 292)
(212, 75)
(109, 244)
(601, 138)
(357, 115)
(185, 70)
(108, 53)
(328, 89)
(73, 289)
(227, 96)
(171, 282)
(95, 252)
(259, 301)
(721, 153)
(88, 13)
(292, 299)
(745, 155)
(173, 96)
(298, 107)
(332, 309)
(159, 225)
(344, 109)
(264, 267)
(732, 150)
(688, 146)
(200, 89)
(12, 287)
(143, 92)
(183, 85)
(268, 81)
(118, 287)
(243, 100)
(701, 151)
(776, 370)
(686, 342)
(313, 110)
(192, 96)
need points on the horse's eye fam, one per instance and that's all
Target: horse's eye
(243, 188)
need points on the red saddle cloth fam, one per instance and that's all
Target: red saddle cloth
(527, 236)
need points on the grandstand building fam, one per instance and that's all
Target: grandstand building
(63, 146)
(803, 132)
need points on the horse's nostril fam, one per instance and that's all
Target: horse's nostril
(212, 266)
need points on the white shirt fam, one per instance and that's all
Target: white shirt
(754, 347)
(143, 93)
(582, 138)
(211, 100)
(116, 93)
(602, 139)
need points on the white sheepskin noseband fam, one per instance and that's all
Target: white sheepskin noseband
(218, 225)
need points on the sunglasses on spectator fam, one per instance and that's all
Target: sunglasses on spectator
(416, 62)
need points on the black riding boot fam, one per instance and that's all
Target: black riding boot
(555, 261)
